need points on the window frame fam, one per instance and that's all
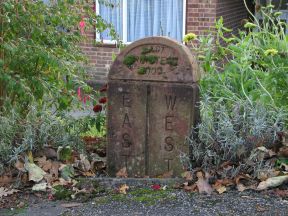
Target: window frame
(125, 20)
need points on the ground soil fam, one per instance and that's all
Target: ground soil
(144, 202)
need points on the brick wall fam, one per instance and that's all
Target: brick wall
(233, 12)
(200, 15)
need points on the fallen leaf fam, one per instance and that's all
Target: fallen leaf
(284, 166)
(70, 205)
(265, 174)
(191, 188)
(40, 187)
(6, 192)
(202, 184)
(54, 171)
(88, 174)
(86, 163)
(156, 187)
(6, 180)
(283, 152)
(240, 187)
(122, 173)
(19, 166)
(221, 189)
(123, 189)
(272, 182)
(43, 163)
(187, 176)
(21, 205)
(36, 174)
(67, 172)
(164, 187)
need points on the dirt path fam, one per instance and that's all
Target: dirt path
(174, 202)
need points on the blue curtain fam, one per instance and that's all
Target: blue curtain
(112, 12)
(145, 18)
(155, 18)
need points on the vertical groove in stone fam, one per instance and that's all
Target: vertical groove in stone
(147, 130)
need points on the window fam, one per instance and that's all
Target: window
(136, 19)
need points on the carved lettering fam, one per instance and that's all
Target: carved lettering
(170, 102)
(126, 140)
(169, 122)
(168, 164)
(126, 100)
(126, 121)
(169, 144)
(126, 160)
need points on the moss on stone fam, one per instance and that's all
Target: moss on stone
(142, 70)
(172, 61)
(129, 60)
(61, 193)
(146, 50)
(152, 59)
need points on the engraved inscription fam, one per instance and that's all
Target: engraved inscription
(126, 160)
(170, 102)
(126, 121)
(169, 144)
(126, 140)
(169, 122)
(126, 100)
(168, 163)
(151, 60)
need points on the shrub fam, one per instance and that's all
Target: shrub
(244, 93)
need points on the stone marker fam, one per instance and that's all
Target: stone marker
(152, 105)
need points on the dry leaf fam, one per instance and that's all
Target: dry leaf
(123, 189)
(6, 180)
(241, 187)
(202, 184)
(40, 187)
(43, 163)
(283, 152)
(284, 166)
(70, 205)
(187, 175)
(20, 166)
(6, 192)
(265, 174)
(36, 174)
(221, 189)
(191, 188)
(122, 173)
(54, 171)
(272, 182)
(21, 205)
(85, 162)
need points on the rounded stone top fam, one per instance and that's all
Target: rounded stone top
(158, 59)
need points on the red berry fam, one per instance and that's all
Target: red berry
(103, 100)
(97, 108)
